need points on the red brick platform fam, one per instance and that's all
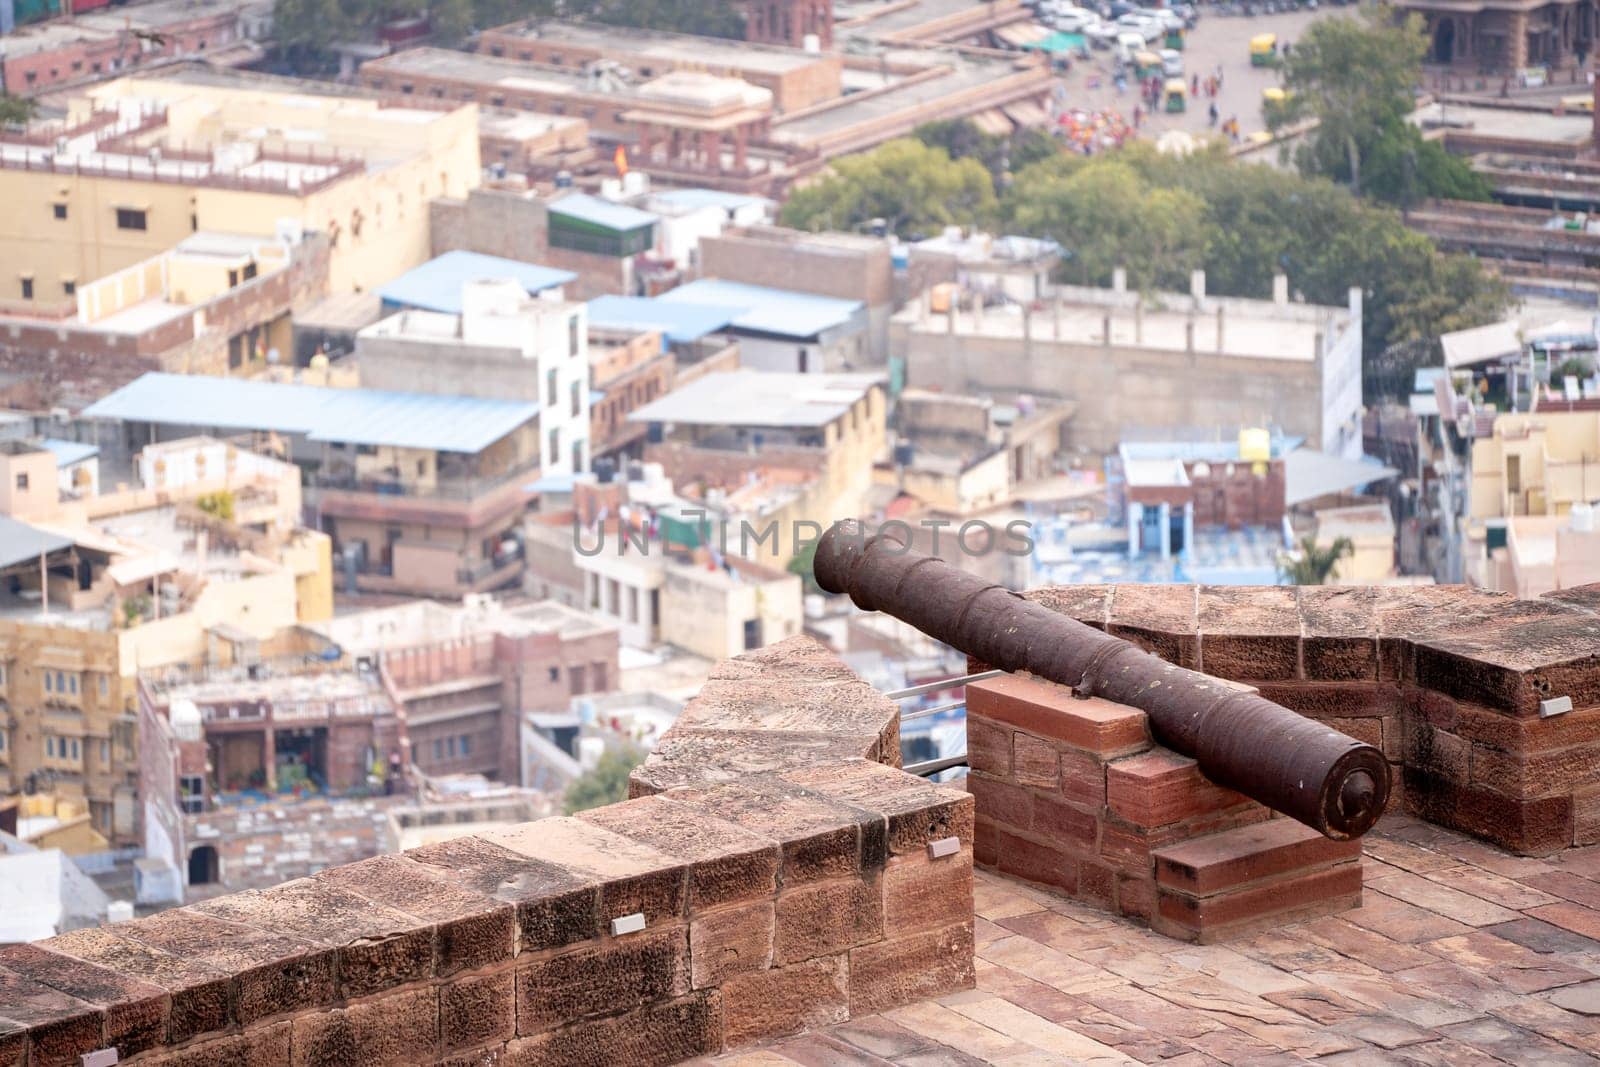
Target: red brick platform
(1072, 794)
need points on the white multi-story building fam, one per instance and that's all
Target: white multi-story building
(504, 345)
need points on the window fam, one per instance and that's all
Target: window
(599, 676)
(438, 748)
(72, 684)
(577, 676)
(233, 278)
(498, 52)
(22, 480)
(2, 740)
(249, 270)
(105, 686)
(577, 457)
(130, 219)
(48, 679)
(2, 675)
(450, 747)
(69, 287)
(49, 746)
(577, 398)
(77, 751)
(572, 336)
(27, 288)
(555, 446)
(555, 674)
(59, 210)
(466, 744)
(61, 681)
(552, 388)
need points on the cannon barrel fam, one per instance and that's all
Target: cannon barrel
(1321, 777)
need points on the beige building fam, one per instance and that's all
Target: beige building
(204, 558)
(832, 425)
(1370, 530)
(141, 163)
(1149, 362)
(1539, 463)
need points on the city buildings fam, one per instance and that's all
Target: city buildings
(503, 345)
(830, 425)
(796, 78)
(842, 266)
(608, 245)
(467, 675)
(94, 44)
(1150, 362)
(101, 587)
(1504, 37)
(214, 303)
(421, 494)
(627, 369)
(141, 163)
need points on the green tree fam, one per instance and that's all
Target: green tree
(1313, 564)
(1106, 215)
(1261, 221)
(16, 110)
(704, 18)
(914, 188)
(605, 783)
(1000, 156)
(804, 564)
(1355, 75)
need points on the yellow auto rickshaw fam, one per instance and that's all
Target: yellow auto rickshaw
(1146, 65)
(1177, 91)
(1264, 50)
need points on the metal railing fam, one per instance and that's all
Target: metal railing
(927, 768)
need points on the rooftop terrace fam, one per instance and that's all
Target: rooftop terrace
(776, 874)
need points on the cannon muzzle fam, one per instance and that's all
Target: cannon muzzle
(1319, 776)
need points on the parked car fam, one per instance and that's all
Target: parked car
(1075, 21)
(1171, 62)
(1148, 29)
(1101, 34)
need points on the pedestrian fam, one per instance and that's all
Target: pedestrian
(1194, 86)
(1138, 115)
(1213, 114)
(1286, 48)
(1219, 77)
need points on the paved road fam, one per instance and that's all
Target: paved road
(1216, 40)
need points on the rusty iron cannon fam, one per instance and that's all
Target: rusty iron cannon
(1319, 776)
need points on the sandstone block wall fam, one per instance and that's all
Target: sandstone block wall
(784, 882)
(1448, 681)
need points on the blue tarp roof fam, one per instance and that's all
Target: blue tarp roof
(772, 311)
(436, 285)
(69, 452)
(679, 323)
(600, 212)
(343, 416)
(693, 198)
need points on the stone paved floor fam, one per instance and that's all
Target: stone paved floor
(1460, 954)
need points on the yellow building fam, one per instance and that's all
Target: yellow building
(1540, 463)
(141, 163)
(201, 561)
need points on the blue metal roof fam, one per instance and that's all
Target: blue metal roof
(600, 212)
(343, 416)
(771, 311)
(693, 198)
(69, 452)
(679, 323)
(436, 285)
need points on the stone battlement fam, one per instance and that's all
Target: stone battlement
(784, 882)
